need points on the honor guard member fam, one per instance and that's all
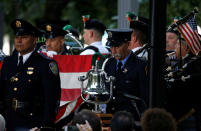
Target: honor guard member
(29, 83)
(129, 92)
(171, 40)
(139, 36)
(55, 40)
(93, 32)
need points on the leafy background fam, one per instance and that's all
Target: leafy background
(71, 11)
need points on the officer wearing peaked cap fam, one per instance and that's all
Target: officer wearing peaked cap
(29, 83)
(55, 40)
(130, 85)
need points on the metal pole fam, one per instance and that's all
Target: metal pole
(123, 7)
(157, 52)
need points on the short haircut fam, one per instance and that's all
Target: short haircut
(90, 116)
(141, 36)
(157, 119)
(122, 121)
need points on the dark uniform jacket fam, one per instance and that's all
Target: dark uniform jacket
(130, 89)
(30, 97)
(183, 95)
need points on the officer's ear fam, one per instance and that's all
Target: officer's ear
(91, 33)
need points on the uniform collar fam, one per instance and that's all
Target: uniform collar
(25, 57)
(124, 60)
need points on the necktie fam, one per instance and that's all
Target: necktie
(20, 65)
(119, 66)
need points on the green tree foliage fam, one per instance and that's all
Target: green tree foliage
(55, 10)
(174, 8)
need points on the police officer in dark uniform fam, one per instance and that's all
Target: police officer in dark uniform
(29, 83)
(130, 87)
(55, 40)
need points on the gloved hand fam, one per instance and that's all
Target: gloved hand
(51, 53)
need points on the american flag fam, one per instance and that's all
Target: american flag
(70, 68)
(190, 33)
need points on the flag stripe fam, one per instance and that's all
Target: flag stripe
(190, 33)
(70, 68)
(66, 109)
(70, 80)
(70, 94)
(72, 63)
(182, 30)
(196, 41)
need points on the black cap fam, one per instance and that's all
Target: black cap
(117, 37)
(52, 31)
(22, 27)
(141, 24)
(96, 25)
(173, 31)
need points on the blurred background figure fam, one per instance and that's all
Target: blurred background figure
(72, 30)
(93, 32)
(2, 123)
(72, 40)
(157, 119)
(122, 121)
(87, 115)
(171, 40)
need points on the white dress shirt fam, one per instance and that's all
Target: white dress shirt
(97, 44)
(25, 57)
(143, 54)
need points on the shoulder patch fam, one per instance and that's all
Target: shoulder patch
(54, 68)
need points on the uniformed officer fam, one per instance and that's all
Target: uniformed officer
(55, 40)
(93, 32)
(129, 71)
(139, 36)
(29, 83)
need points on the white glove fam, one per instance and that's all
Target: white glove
(51, 53)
